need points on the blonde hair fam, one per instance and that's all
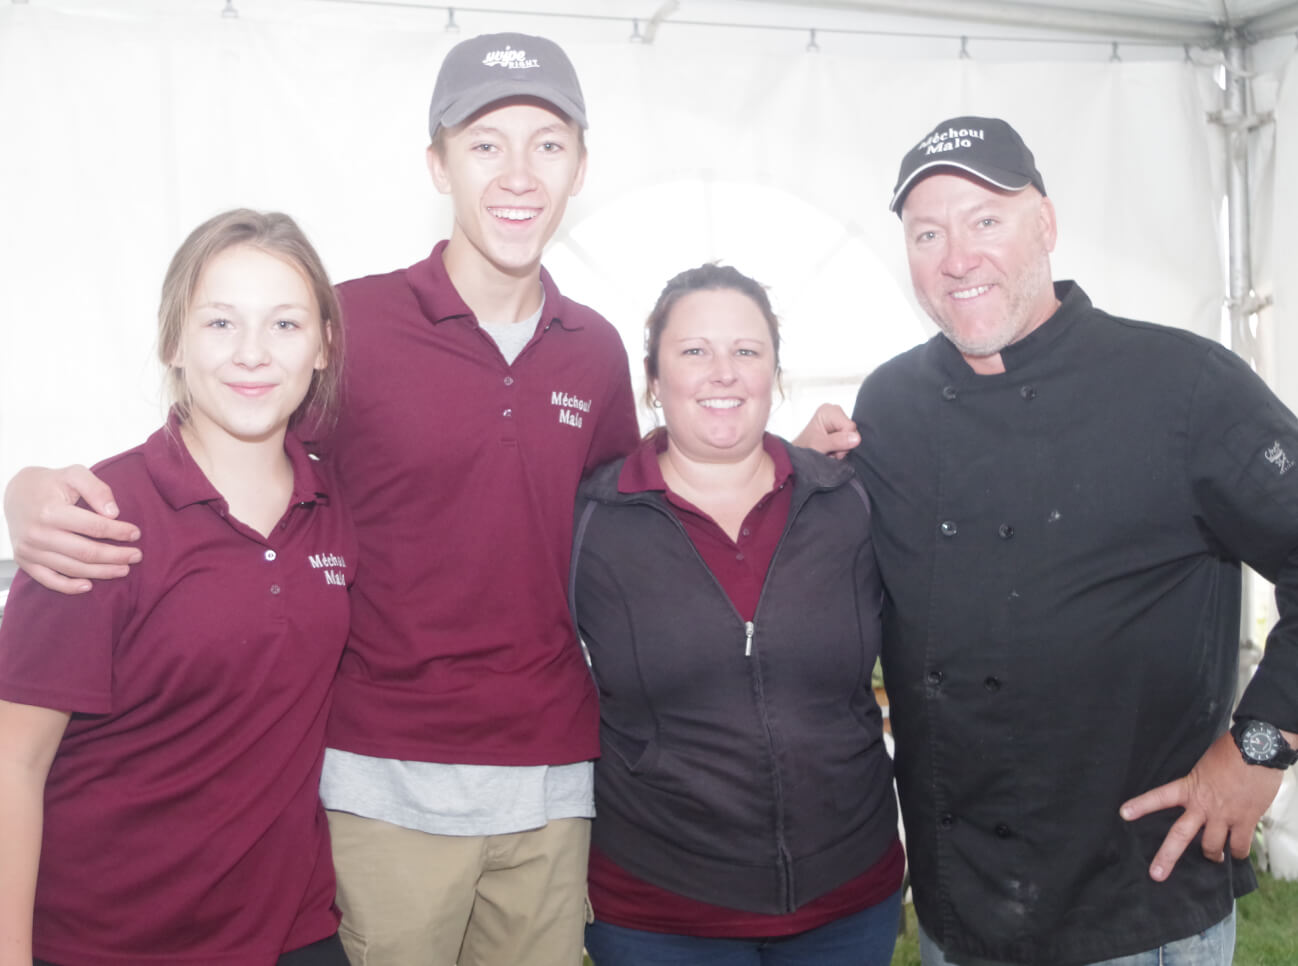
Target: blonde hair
(276, 234)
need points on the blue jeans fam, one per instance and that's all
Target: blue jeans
(863, 939)
(1215, 946)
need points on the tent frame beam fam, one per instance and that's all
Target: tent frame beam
(1165, 30)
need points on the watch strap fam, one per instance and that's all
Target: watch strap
(1284, 755)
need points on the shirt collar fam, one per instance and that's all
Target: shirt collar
(641, 473)
(440, 301)
(1073, 305)
(181, 482)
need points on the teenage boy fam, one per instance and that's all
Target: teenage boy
(458, 774)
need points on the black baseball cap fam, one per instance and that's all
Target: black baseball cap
(985, 147)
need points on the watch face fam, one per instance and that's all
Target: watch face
(1259, 741)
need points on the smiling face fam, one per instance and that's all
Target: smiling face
(980, 262)
(509, 171)
(715, 372)
(249, 345)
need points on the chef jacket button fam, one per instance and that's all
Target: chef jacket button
(1003, 831)
(948, 528)
(509, 380)
(274, 588)
(935, 677)
(1029, 393)
(269, 555)
(1005, 530)
(949, 393)
(992, 683)
(946, 820)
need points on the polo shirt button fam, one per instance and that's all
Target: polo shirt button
(1053, 516)
(746, 531)
(270, 555)
(991, 683)
(948, 528)
(274, 588)
(949, 393)
(1003, 831)
(739, 556)
(508, 413)
(946, 820)
(509, 380)
(935, 677)
(1028, 393)
(1005, 530)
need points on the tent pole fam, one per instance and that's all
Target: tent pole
(1238, 281)
(1238, 123)
(1235, 118)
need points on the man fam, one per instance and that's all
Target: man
(1062, 501)
(458, 773)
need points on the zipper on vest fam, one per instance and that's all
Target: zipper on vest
(748, 638)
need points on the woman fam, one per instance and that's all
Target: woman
(167, 729)
(724, 584)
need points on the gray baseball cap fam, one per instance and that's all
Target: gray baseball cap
(493, 67)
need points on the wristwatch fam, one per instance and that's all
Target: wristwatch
(1262, 744)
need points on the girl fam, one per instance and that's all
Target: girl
(161, 736)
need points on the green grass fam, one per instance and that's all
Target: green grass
(907, 951)
(1266, 924)
(1266, 928)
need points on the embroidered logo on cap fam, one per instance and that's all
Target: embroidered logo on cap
(950, 139)
(1275, 455)
(509, 58)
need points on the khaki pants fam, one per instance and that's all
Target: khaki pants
(413, 899)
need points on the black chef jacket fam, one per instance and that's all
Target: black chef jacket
(1061, 548)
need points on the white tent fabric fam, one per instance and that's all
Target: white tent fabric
(122, 128)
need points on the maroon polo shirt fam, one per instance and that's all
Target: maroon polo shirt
(462, 473)
(740, 567)
(182, 817)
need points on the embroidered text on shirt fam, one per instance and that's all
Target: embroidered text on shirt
(326, 562)
(570, 408)
(1279, 457)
